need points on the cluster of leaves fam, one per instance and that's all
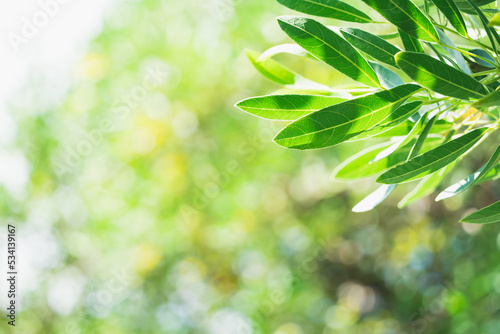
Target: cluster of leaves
(433, 102)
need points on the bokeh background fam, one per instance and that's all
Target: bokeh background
(145, 202)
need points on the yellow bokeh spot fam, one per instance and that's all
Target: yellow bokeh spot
(93, 66)
(289, 328)
(147, 257)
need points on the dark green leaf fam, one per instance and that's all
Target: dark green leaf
(338, 123)
(465, 6)
(329, 47)
(286, 107)
(372, 45)
(450, 10)
(487, 215)
(410, 43)
(407, 17)
(492, 33)
(438, 76)
(433, 160)
(328, 8)
(394, 119)
(485, 55)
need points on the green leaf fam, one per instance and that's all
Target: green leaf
(490, 100)
(329, 47)
(374, 199)
(358, 166)
(404, 129)
(338, 123)
(483, 54)
(450, 10)
(393, 148)
(493, 174)
(495, 21)
(487, 215)
(466, 183)
(280, 74)
(410, 43)
(372, 45)
(465, 6)
(422, 137)
(397, 117)
(456, 55)
(388, 79)
(407, 17)
(492, 33)
(289, 48)
(426, 186)
(433, 160)
(286, 107)
(328, 8)
(439, 77)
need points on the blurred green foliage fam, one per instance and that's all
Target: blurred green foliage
(159, 208)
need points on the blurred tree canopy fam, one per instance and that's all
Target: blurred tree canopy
(153, 206)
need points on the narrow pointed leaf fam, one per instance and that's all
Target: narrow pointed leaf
(456, 55)
(407, 17)
(338, 123)
(414, 131)
(328, 8)
(433, 160)
(426, 186)
(465, 7)
(280, 74)
(487, 215)
(329, 47)
(490, 100)
(486, 60)
(388, 79)
(286, 107)
(410, 43)
(466, 183)
(404, 129)
(495, 21)
(492, 33)
(372, 45)
(422, 137)
(492, 175)
(358, 166)
(394, 119)
(289, 48)
(374, 199)
(450, 10)
(439, 77)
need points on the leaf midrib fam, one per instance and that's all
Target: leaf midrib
(340, 10)
(441, 78)
(455, 10)
(345, 123)
(340, 53)
(411, 18)
(368, 42)
(417, 171)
